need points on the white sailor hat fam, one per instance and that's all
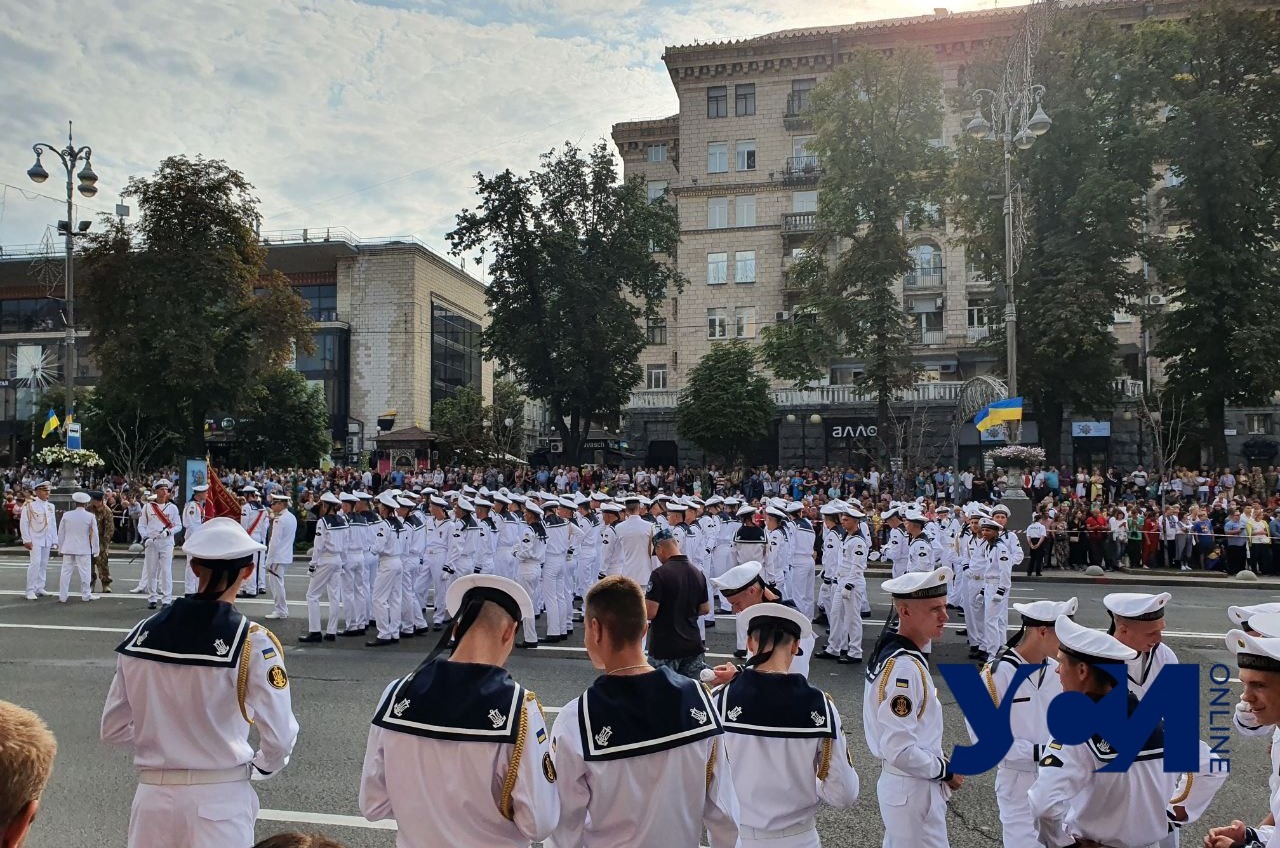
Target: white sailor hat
(832, 509)
(480, 501)
(791, 619)
(1241, 616)
(465, 504)
(81, 497)
(646, 503)
(579, 499)
(983, 512)
(737, 578)
(530, 506)
(388, 500)
(610, 506)
(484, 491)
(563, 502)
(220, 538)
(795, 506)
(276, 497)
(1259, 653)
(970, 509)
(1139, 606)
(913, 514)
(891, 512)
(203, 487)
(504, 592)
(406, 502)
(347, 497)
(661, 496)
(778, 503)
(1045, 613)
(364, 496)
(1089, 645)
(249, 490)
(162, 483)
(695, 502)
(731, 501)
(745, 509)
(1000, 509)
(1264, 624)
(943, 508)
(499, 497)
(853, 512)
(468, 489)
(43, 484)
(714, 500)
(674, 505)
(330, 498)
(989, 524)
(599, 497)
(517, 499)
(774, 511)
(918, 585)
(436, 500)
(630, 497)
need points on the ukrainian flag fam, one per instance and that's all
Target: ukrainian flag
(50, 424)
(997, 413)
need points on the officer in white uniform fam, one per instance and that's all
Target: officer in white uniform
(355, 599)
(327, 557)
(1137, 621)
(723, 557)
(997, 579)
(783, 737)
(895, 548)
(850, 591)
(777, 552)
(803, 541)
(921, 552)
(902, 716)
(1071, 801)
(437, 529)
(412, 621)
(487, 544)
(78, 545)
(189, 683)
(464, 720)
(254, 519)
(389, 535)
(972, 549)
(192, 518)
(159, 522)
(38, 524)
(1036, 644)
(744, 586)
(639, 756)
(530, 552)
(832, 540)
(610, 552)
(510, 529)
(635, 542)
(281, 534)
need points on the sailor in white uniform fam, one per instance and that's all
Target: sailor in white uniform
(389, 537)
(1071, 801)
(639, 756)
(38, 525)
(327, 556)
(192, 518)
(190, 682)
(1036, 644)
(610, 552)
(281, 534)
(159, 522)
(803, 543)
(530, 552)
(78, 544)
(461, 727)
(1241, 617)
(902, 716)
(1137, 621)
(743, 586)
(783, 737)
(845, 639)
(355, 598)
(254, 519)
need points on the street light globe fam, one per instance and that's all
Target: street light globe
(37, 173)
(1024, 139)
(87, 189)
(86, 174)
(791, 418)
(1039, 123)
(507, 422)
(815, 418)
(978, 128)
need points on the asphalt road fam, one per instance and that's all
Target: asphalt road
(58, 661)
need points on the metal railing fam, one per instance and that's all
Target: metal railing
(797, 103)
(803, 166)
(977, 334)
(799, 222)
(817, 396)
(933, 337)
(932, 277)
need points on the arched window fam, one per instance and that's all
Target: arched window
(926, 257)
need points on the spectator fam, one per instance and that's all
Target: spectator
(27, 749)
(1260, 553)
(1237, 539)
(1039, 542)
(1202, 529)
(677, 596)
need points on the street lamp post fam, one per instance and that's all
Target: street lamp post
(70, 156)
(1007, 110)
(805, 420)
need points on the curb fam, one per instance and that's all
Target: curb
(1129, 578)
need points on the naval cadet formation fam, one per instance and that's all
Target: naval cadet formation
(740, 754)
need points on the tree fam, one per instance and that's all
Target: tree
(1217, 74)
(725, 406)
(283, 421)
(459, 422)
(1085, 182)
(573, 270)
(174, 321)
(874, 119)
(132, 440)
(508, 405)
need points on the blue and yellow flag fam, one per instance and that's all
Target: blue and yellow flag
(997, 413)
(50, 424)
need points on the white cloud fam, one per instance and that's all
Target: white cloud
(368, 115)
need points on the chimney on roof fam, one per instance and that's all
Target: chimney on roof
(940, 11)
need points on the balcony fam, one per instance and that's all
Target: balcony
(932, 277)
(797, 107)
(801, 169)
(799, 223)
(933, 337)
(977, 334)
(819, 396)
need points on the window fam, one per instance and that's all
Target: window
(657, 152)
(455, 352)
(744, 211)
(798, 99)
(927, 259)
(717, 268)
(744, 266)
(717, 323)
(657, 189)
(718, 158)
(718, 101)
(717, 213)
(747, 155)
(744, 322)
(1258, 423)
(846, 375)
(800, 146)
(977, 313)
(744, 99)
(655, 376)
(655, 331)
(804, 201)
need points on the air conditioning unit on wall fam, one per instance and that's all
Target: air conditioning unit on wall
(1156, 300)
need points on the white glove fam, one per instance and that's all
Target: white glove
(847, 592)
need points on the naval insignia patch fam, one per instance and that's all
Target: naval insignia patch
(548, 768)
(276, 677)
(901, 706)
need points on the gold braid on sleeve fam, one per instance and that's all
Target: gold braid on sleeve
(884, 680)
(988, 677)
(505, 806)
(711, 763)
(1186, 791)
(824, 764)
(242, 674)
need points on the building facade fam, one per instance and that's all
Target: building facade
(735, 162)
(396, 330)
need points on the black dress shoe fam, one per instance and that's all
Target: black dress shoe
(711, 624)
(151, 605)
(408, 635)
(421, 631)
(820, 619)
(527, 645)
(355, 631)
(851, 660)
(310, 637)
(370, 623)
(262, 591)
(330, 637)
(963, 632)
(824, 655)
(379, 642)
(866, 615)
(437, 627)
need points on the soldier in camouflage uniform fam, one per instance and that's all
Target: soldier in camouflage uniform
(106, 528)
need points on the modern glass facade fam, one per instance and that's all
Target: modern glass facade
(455, 352)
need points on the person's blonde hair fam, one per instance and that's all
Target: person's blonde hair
(26, 759)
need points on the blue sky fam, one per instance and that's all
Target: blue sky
(369, 115)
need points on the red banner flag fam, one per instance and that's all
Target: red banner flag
(224, 504)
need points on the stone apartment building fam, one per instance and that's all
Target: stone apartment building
(734, 161)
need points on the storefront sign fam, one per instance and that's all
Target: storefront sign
(1090, 429)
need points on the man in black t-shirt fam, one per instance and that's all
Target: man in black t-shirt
(675, 598)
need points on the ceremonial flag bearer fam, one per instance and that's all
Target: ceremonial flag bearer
(189, 683)
(458, 752)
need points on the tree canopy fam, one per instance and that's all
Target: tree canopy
(725, 407)
(283, 421)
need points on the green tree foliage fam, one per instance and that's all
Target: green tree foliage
(572, 272)
(725, 407)
(459, 422)
(1084, 185)
(508, 405)
(1217, 72)
(170, 302)
(873, 119)
(283, 421)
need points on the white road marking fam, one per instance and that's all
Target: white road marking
(324, 818)
(77, 629)
(264, 600)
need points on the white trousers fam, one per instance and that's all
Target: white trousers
(504, 563)
(442, 580)
(553, 595)
(721, 561)
(845, 618)
(914, 812)
(82, 563)
(219, 815)
(411, 618)
(370, 577)
(1015, 812)
(974, 613)
(995, 619)
(325, 580)
(802, 585)
(431, 566)
(191, 583)
(355, 597)
(808, 839)
(37, 567)
(162, 571)
(530, 575)
(387, 597)
(275, 583)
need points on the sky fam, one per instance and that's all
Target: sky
(371, 115)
